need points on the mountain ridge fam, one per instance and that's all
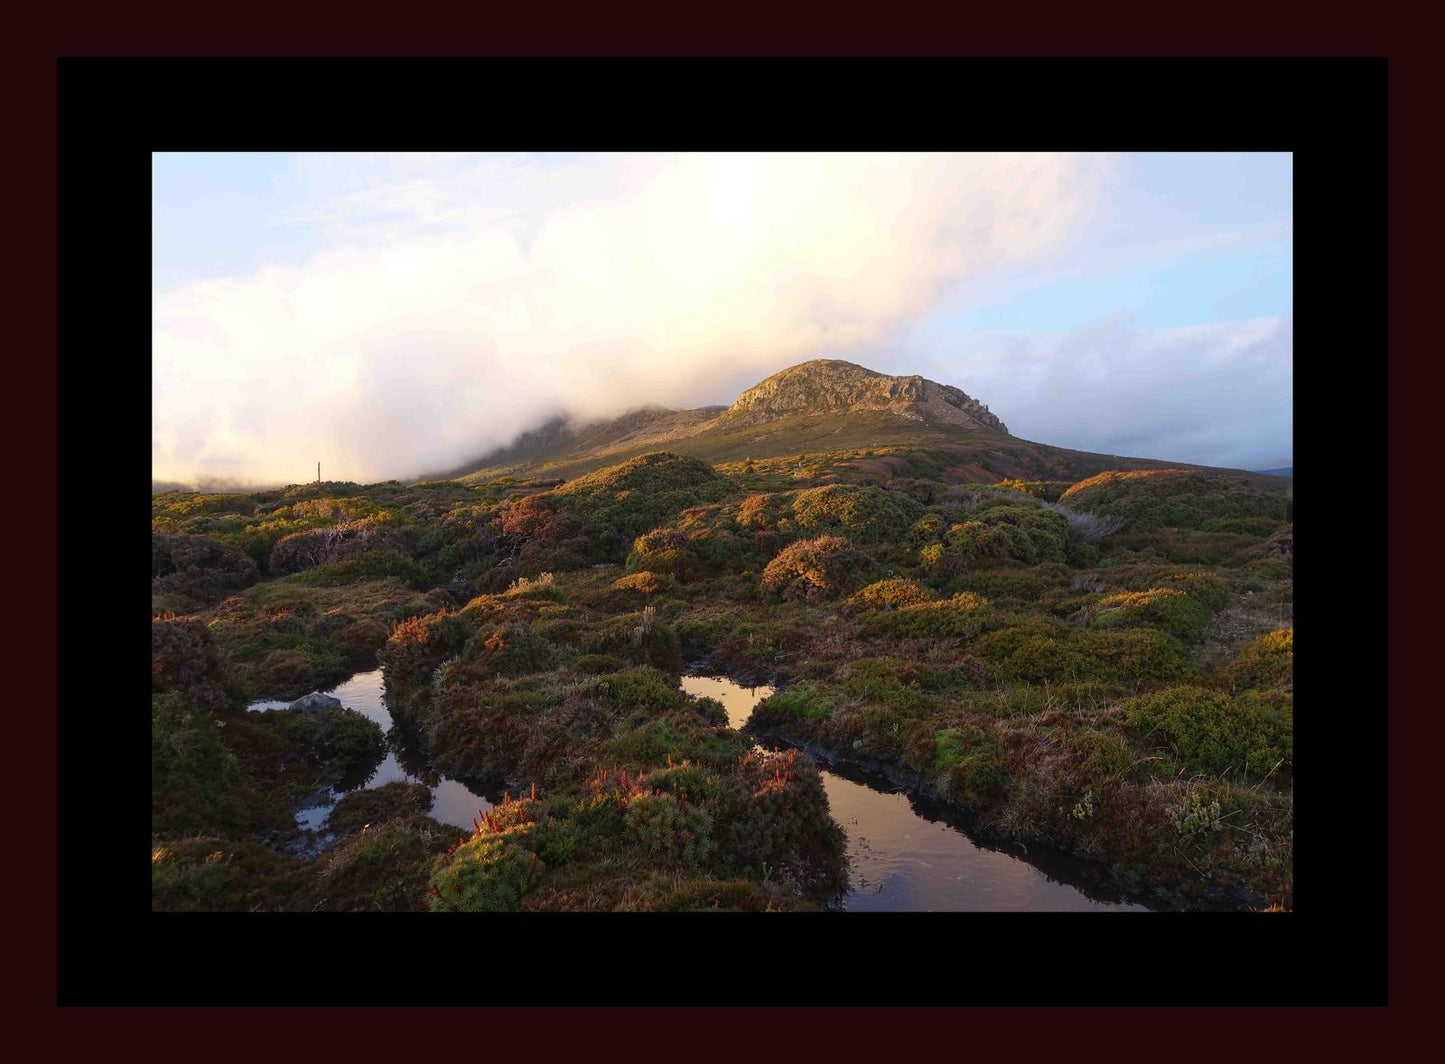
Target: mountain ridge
(791, 411)
(853, 415)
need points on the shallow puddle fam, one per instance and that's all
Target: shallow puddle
(909, 854)
(453, 802)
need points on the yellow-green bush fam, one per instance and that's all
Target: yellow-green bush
(1209, 731)
(891, 594)
(962, 615)
(1175, 498)
(1264, 662)
(1167, 609)
(487, 873)
(860, 514)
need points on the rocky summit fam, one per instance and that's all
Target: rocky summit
(835, 386)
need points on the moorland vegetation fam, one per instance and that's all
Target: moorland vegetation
(1100, 664)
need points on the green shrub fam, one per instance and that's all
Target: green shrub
(781, 819)
(386, 868)
(667, 826)
(927, 529)
(968, 765)
(341, 737)
(1248, 526)
(605, 511)
(1039, 650)
(374, 565)
(891, 594)
(711, 710)
(647, 739)
(186, 661)
(999, 533)
(878, 680)
(596, 664)
(860, 514)
(1174, 498)
(644, 688)
(193, 773)
(1208, 731)
(814, 569)
(209, 874)
(1106, 756)
(962, 616)
(487, 873)
(335, 542)
(639, 638)
(645, 583)
(510, 650)
(1132, 657)
(805, 701)
(358, 808)
(1167, 609)
(1264, 662)
(199, 569)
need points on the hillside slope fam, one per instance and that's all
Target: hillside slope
(863, 424)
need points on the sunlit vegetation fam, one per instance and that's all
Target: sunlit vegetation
(814, 569)
(1093, 666)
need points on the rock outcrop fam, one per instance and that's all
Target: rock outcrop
(832, 386)
(315, 703)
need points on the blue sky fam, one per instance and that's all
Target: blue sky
(1131, 304)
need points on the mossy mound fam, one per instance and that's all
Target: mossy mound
(374, 806)
(386, 867)
(1171, 498)
(1210, 731)
(999, 532)
(207, 874)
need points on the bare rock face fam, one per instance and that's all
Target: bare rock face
(832, 386)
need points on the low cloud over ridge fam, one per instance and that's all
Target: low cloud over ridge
(455, 308)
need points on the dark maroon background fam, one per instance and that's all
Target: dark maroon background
(1326, 389)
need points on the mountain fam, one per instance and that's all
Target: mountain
(834, 387)
(863, 423)
(1286, 471)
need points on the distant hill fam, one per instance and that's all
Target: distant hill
(1287, 471)
(828, 407)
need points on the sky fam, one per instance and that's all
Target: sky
(398, 314)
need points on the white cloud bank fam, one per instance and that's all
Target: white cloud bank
(464, 300)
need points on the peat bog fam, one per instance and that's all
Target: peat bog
(1052, 685)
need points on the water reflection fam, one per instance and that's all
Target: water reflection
(736, 699)
(453, 802)
(909, 854)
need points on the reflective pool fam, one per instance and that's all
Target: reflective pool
(453, 802)
(910, 854)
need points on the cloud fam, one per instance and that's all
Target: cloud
(1217, 394)
(462, 299)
